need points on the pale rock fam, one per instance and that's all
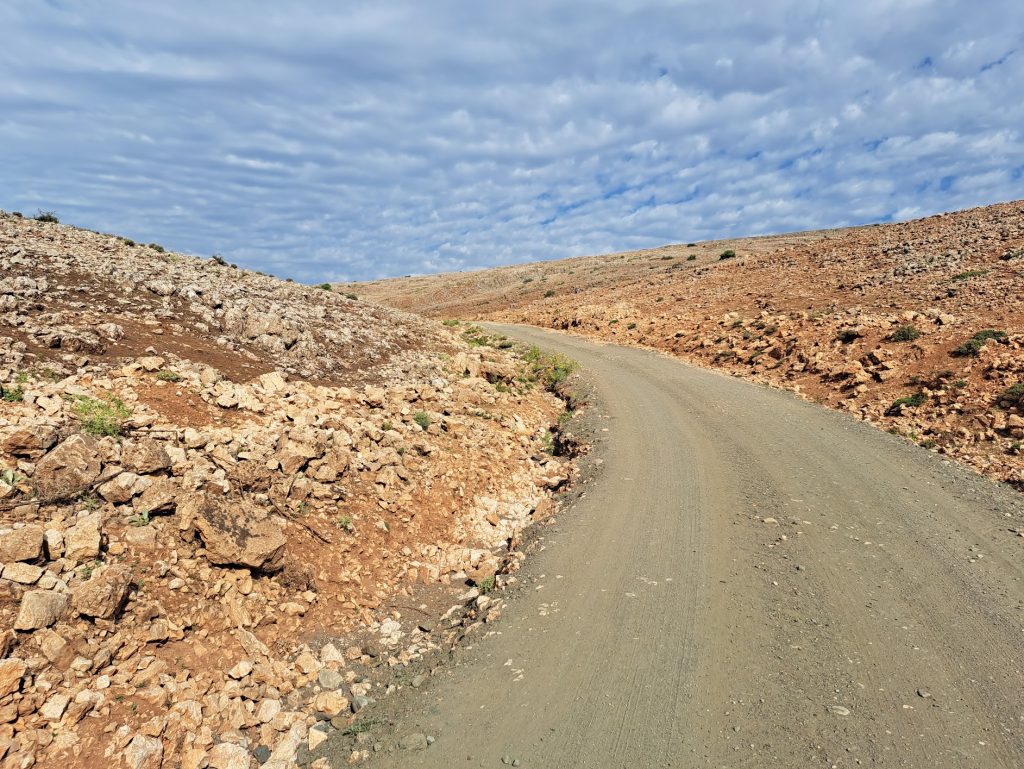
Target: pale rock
(68, 469)
(228, 756)
(82, 541)
(22, 573)
(104, 593)
(39, 609)
(24, 544)
(11, 672)
(53, 709)
(330, 703)
(144, 753)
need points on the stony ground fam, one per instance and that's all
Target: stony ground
(916, 327)
(227, 501)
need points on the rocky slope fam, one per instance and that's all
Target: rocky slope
(223, 498)
(916, 327)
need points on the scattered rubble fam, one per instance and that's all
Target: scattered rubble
(218, 492)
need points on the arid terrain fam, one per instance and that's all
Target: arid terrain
(227, 500)
(916, 327)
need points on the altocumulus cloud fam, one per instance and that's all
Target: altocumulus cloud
(351, 140)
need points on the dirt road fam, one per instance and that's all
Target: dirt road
(749, 581)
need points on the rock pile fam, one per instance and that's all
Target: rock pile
(209, 480)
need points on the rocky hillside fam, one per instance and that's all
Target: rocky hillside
(224, 496)
(916, 327)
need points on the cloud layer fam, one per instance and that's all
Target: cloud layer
(325, 140)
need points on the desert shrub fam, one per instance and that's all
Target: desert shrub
(100, 417)
(325, 286)
(1013, 393)
(157, 247)
(969, 274)
(166, 375)
(691, 258)
(907, 401)
(727, 254)
(218, 259)
(905, 334)
(450, 322)
(527, 280)
(47, 216)
(631, 326)
(549, 293)
(972, 346)
(351, 296)
(422, 418)
(13, 394)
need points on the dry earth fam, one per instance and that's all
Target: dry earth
(877, 321)
(227, 500)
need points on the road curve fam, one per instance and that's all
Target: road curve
(750, 581)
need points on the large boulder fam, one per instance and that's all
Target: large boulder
(24, 544)
(39, 609)
(69, 469)
(103, 595)
(236, 535)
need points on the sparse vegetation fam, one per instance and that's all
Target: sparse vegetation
(422, 418)
(486, 585)
(13, 394)
(325, 286)
(100, 417)
(630, 326)
(157, 247)
(969, 274)
(905, 334)
(345, 523)
(1013, 394)
(351, 296)
(691, 258)
(527, 280)
(166, 375)
(550, 369)
(972, 346)
(907, 401)
(727, 254)
(451, 322)
(140, 519)
(47, 216)
(549, 293)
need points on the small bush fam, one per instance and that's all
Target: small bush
(969, 274)
(905, 334)
(631, 326)
(17, 214)
(486, 585)
(344, 522)
(165, 375)
(908, 401)
(972, 346)
(667, 258)
(549, 293)
(13, 394)
(218, 259)
(128, 241)
(691, 258)
(157, 247)
(450, 322)
(690, 245)
(422, 418)
(100, 417)
(1014, 393)
(727, 254)
(351, 296)
(325, 286)
(527, 280)
(47, 216)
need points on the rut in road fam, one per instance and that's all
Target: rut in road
(750, 581)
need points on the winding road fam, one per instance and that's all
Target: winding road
(749, 580)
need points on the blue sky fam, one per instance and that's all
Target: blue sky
(353, 140)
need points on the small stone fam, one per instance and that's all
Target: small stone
(53, 709)
(838, 710)
(924, 694)
(11, 671)
(241, 670)
(330, 679)
(228, 756)
(330, 703)
(415, 741)
(24, 544)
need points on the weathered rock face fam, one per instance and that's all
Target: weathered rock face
(24, 544)
(103, 595)
(235, 535)
(27, 440)
(39, 609)
(82, 541)
(145, 456)
(68, 469)
(11, 671)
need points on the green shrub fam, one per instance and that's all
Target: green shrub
(527, 280)
(905, 334)
(450, 322)
(13, 394)
(973, 346)
(908, 401)
(47, 216)
(549, 293)
(691, 258)
(166, 375)
(345, 522)
(157, 247)
(631, 326)
(1013, 393)
(100, 417)
(325, 286)
(422, 418)
(969, 274)
(727, 254)
(351, 296)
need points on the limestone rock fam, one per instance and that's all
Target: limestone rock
(234, 535)
(144, 753)
(82, 541)
(104, 593)
(11, 671)
(68, 469)
(39, 609)
(24, 544)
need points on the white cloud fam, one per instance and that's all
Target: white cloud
(327, 141)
